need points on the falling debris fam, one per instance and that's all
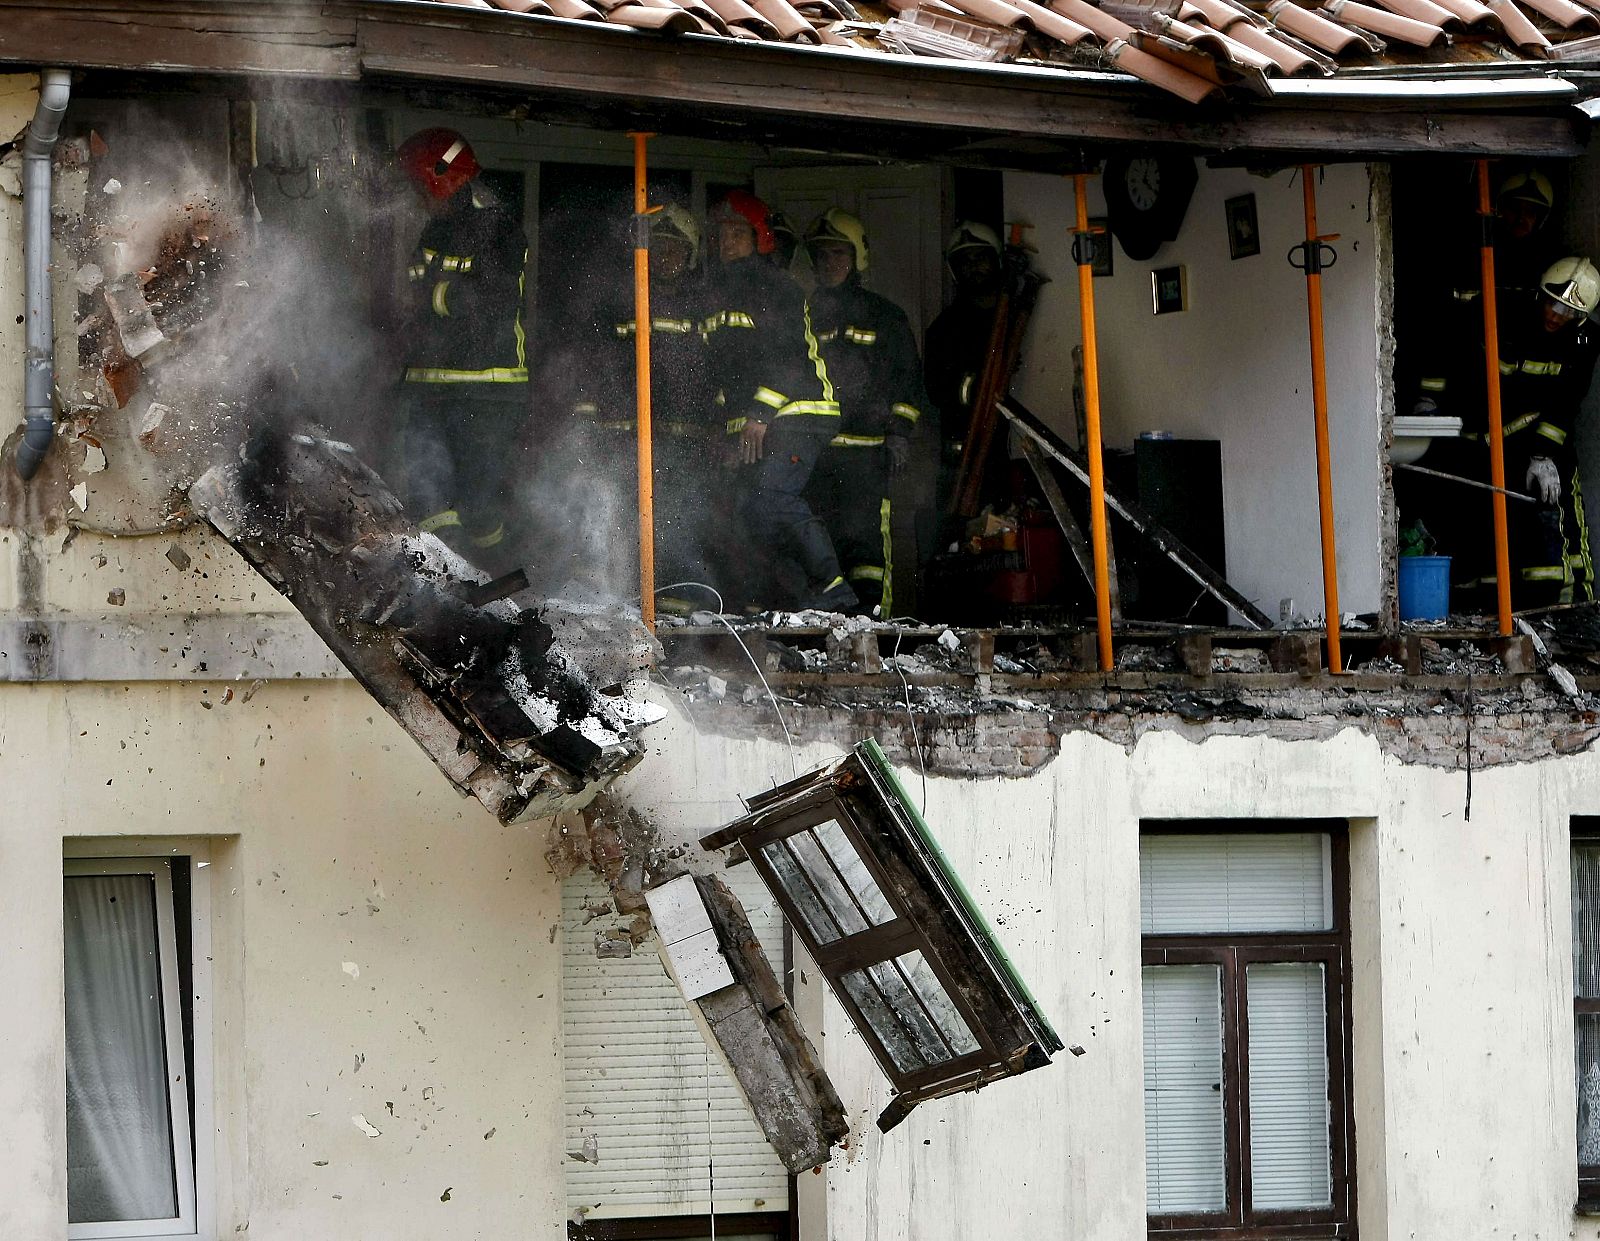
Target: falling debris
(352, 969)
(487, 691)
(112, 186)
(116, 597)
(133, 318)
(94, 458)
(360, 1122)
(179, 558)
(80, 497)
(445, 1197)
(150, 424)
(589, 1152)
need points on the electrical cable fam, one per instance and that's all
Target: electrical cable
(794, 761)
(916, 744)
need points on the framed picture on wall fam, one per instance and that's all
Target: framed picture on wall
(1169, 290)
(1244, 237)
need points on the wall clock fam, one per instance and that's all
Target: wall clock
(1146, 198)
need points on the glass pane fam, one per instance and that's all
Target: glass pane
(1586, 920)
(1241, 882)
(816, 918)
(1183, 1132)
(1588, 1090)
(119, 1128)
(835, 895)
(1290, 1159)
(938, 1003)
(892, 983)
(855, 872)
(881, 1022)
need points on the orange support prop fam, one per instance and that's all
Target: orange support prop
(641, 360)
(1497, 442)
(1091, 401)
(1319, 408)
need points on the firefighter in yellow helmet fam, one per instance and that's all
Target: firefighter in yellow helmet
(871, 354)
(1548, 350)
(683, 417)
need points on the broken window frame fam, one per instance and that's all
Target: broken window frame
(1232, 953)
(930, 912)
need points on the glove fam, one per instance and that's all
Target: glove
(1544, 480)
(899, 455)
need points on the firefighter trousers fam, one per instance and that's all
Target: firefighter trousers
(1550, 557)
(850, 490)
(461, 452)
(780, 518)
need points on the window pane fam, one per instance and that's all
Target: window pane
(846, 913)
(1241, 882)
(855, 872)
(119, 1128)
(1290, 1158)
(806, 901)
(1588, 1090)
(1586, 920)
(878, 1013)
(938, 1003)
(1183, 1134)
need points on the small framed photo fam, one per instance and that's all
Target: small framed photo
(1169, 290)
(1244, 238)
(1100, 239)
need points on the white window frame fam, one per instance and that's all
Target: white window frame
(193, 1157)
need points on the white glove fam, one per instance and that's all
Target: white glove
(1544, 480)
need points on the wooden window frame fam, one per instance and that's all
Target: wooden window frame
(1233, 953)
(1584, 829)
(931, 914)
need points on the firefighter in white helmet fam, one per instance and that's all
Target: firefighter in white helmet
(683, 414)
(871, 354)
(1548, 351)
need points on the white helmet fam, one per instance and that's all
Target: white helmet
(836, 224)
(969, 235)
(675, 221)
(1574, 283)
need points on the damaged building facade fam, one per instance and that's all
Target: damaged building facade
(1317, 946)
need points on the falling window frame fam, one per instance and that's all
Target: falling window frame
(932, 914)
(1232, 953)
(183, 927)
(1584, 831)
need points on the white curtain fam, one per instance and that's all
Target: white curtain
(119, 1126)
(1586, 985)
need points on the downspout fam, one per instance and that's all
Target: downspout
(39, 358)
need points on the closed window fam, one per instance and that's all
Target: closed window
(130, 1048)
(1246, 1030)
(1586, 1000)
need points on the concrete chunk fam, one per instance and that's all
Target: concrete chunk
(132, 317)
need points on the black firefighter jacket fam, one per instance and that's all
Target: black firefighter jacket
(871, 356)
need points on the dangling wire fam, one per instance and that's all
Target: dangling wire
(916, 744)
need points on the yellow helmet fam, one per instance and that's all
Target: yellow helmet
(1527, 187)
(675, 221)
(837, 224)
(1574, 283)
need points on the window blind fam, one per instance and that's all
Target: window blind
(1289, 1143)
(1235, 882)
(1184, 1146)
(635, 1076)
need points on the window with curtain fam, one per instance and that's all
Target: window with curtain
(1246, 1029)
(1586, 1000)
(130, 1164)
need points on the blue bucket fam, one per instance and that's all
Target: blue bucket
(1424, 587)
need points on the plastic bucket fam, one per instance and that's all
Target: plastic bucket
(1424, 587)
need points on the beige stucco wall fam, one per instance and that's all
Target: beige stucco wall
(18, 97)
(1462, 968)
(335, 840)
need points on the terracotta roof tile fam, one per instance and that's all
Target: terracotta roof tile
(1196, 49)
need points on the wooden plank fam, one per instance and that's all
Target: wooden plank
(1163, 539)
(1076, 542)
(913, 108)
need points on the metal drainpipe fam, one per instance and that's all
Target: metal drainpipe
(39, 360)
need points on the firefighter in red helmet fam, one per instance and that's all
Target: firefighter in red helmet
(465, 384)
(779, 406)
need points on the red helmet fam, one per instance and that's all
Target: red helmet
(740, 205)
(438, 161)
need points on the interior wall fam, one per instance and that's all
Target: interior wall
(1234, 367)
(382, 948)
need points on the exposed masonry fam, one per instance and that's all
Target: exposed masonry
(972, 725)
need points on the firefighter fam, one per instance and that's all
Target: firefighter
(778, 402)
(464, 390)
(871, 355)
(1548, 350)
(683, 425)
(956, 347)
